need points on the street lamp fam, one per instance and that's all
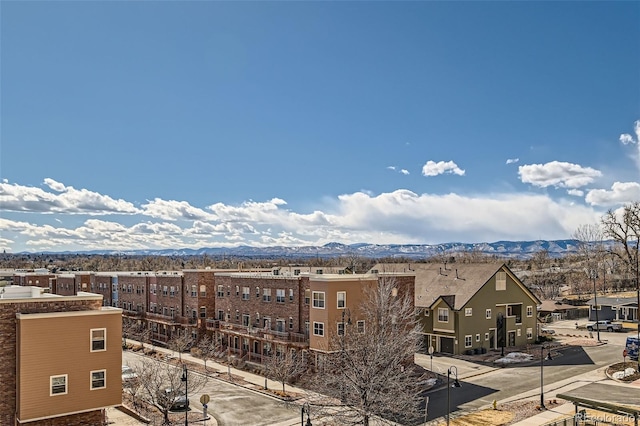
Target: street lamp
(305, 409)
(185, 379)
(542, 360)
(593, 274)
(456, 384)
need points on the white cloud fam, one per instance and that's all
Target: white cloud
(558, 174)
(431, 168)
(391, 167)
(628, 139)
(575, 192)
(400, 216)
(404, 171)
(174, 210)
(65, 199)
(512, 160)
(620, 193)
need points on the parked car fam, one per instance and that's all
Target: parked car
(128, 374)
(545, 330)
(173, 398)
(604, 325)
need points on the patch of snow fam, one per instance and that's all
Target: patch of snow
(622, 374)
(514, 357)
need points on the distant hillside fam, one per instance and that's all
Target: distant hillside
(502, 249)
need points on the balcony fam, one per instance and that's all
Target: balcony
(165, 319)
(212, 324)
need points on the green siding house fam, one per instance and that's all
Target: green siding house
(461, 305)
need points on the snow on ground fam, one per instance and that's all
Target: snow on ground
(514, 357)
(622, 374)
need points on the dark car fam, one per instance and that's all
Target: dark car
(174, 399)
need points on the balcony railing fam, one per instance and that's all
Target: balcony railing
(162, 318)
(261, 333)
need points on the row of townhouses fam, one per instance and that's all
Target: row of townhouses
(463, 307)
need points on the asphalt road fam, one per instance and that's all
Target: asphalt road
(233, 405)
(480, 391)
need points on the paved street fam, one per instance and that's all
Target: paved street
(232, 405)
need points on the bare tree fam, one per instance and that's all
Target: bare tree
(589, 238)
(162, 383)
(370, 364)
(207, 348)
(623, 227)
(283, 367)
(180, 343)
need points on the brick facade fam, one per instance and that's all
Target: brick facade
(8, 310)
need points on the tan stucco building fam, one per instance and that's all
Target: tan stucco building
(60, 358)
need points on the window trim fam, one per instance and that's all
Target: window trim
(468, 338)
(92, 341)
(529, 311)
(487, 314)
(364, 326)
(104, 379)
(443, 315)
(66, 384)
(319, 301)
(344, 299)
(320, 328)
(468, 312)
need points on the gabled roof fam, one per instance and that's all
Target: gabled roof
(554, 306)
(614, 301)
(459, 280)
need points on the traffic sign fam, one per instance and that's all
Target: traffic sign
(204, 399)
(624, 353)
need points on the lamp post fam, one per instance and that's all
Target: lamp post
(185, 379)
(542, 360)
(456, 384)
(305, 409)
(594, 275)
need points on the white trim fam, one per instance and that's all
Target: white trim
(104, 339)
(104, 370)
(66, 384)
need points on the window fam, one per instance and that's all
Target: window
(172, 291)
(529, 311)
(487, 314)
(501, 281)
(246, 319)
(509, 311)
(280, 295)
(319, 271)
(340, 329)
(266, 295)
(478, 337)
(165, 291)
(58, 385)
(307, 296)
(318, 299)
(342, 299)
(98, 379)
(194, 291)
(98, 339)
(291, 323)
(486, 336)
(296, 272)
(529, 333)
(220, 315)
(360, 326)
(318, 328)
(257, 291)
(203, 290)
(519, 332)
(237, 290)
(290, 294)
(245, 293)
(443, 315)
(237, 315)
(220, 291)
(427, 312)
(468, 312)
(203, 312)
(467, 341)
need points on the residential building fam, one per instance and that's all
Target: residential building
(60, 357)
(463, 306)
(614, 308)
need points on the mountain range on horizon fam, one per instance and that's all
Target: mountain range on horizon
(501, 249)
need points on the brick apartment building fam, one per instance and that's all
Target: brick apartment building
(60, 358)
(252, 313)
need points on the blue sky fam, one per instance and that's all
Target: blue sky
(130, 125)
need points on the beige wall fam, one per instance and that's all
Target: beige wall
(59, 343)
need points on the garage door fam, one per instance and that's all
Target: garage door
(446, 345)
